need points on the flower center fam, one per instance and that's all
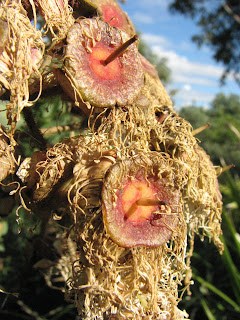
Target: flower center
(132, 197)
(110, 71)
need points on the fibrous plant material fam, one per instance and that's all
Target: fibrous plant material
(68, 174)
(203, 205)
(111, 276)
(99, 85)
(133, 282)
(48, 80)
(162, 130)
(125, 283)
(58, 17)
(7, 157)
(4, 59)
(21, 54)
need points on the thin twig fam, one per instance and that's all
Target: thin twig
(231, 13)
(35, 131)
(235, 130)
(59, 129)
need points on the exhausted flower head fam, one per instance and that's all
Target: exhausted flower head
(138, 280)
(112, 13)
(141, 204)
(69, 174)
(23, 49)
(89, 43)
(57, 15)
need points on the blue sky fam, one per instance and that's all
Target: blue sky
(194, 72)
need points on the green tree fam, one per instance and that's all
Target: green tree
(223, 104)
(219, 23)
(222, 139)
(196, 116)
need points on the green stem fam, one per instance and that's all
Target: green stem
(207, 310)
(232, 270)
(218, 292)
(233, 231)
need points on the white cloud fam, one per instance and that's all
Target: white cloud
(183, 70)
(153, 39)
(142, 17)
(197, 83)
(188, 98)
(187, 87)
(181, 66)
(197, 80)
(186, 46)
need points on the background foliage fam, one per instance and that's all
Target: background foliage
(222, 139)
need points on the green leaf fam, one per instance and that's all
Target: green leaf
(218, 292)
(3, 228)
(207, 310)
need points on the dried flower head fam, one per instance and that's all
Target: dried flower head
(57, 15)
(112, 13)
(99, 84)
(141, 204)
(23, 49)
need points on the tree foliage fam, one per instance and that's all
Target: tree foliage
(219, 22)
(222, 139)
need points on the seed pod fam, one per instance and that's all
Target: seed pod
(99, 84)
(148, 67)
(141, 205)
(83, 187)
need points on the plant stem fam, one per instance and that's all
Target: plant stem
(35, 131)
(232, 271)
(120, 50)
(150, 202)
(207, 310)
(233, 231)
(218, 292)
